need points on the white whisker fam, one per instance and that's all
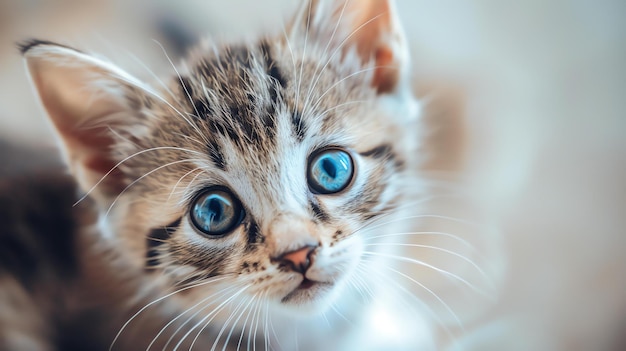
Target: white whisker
(182, 314)
(266, 334)
(452, 219)
(258, 317)
(183, 177)
(319, 99)
(427, 265)
(128, 158)
(154, 76)
(190, 138)
(306, 41)
(381, 215)
(363, 284)
(325, 112)
(220, 294)
(315, 73)
(230, 333)
(429, 310)
(455, 254)
(230, 318)
(280, 346)
(180, 78)
(245, 322)
(193, 125)
(424, 233)
(293, 60)
(342, 43)
(142, 177)
(334, 308)
(157, 301)
(211, 314)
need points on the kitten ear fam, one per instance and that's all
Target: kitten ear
(372, 27)
(85, 98)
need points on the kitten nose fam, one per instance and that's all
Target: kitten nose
(298, 260)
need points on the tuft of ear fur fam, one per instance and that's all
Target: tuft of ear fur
(371, 27)
(86, 99)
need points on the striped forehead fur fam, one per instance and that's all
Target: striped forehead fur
(249, 100)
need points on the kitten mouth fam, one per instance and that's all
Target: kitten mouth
(306, 284)
(308, 290)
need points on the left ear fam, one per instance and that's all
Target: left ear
(90, 102)
(372, 27)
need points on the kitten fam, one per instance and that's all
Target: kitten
(228, 208)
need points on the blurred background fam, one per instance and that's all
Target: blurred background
(526, 100)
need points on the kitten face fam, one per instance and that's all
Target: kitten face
(255, 139)
(263, 161)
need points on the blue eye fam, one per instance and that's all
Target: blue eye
(216, 212)
(330, 171)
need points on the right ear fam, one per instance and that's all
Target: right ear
(90, 103)
(371, 27)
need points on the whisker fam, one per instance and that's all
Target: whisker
(182, 314)
(449, 235)
(190, 138)
(363, 283)
(293, 60)
(323, 113)
(357, 287)
(334, 308)
(230, 318)
(230, 333)
(142, 177)
(157, 301)
(251, 336)
(429, 310)
(452, 219)
(319, 99)
(427, 265)
(381, 215)
(222, 293)
(450, 252)
(120, 136)
(226, 323)
(154, 76)
(306, 40)
(341, 44)
(211, 314)
(280, 346)
(315, 73)
(183, 177)
(146, 88)
(128, 158)
(193, 125)
(188, 189)
(180, 78)
(245, 322)
(170, 271)
(258, 316)
(266, 334)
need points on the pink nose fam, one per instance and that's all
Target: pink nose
(298, 260)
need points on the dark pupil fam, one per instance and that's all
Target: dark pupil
(329, 167)
(216, 209)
